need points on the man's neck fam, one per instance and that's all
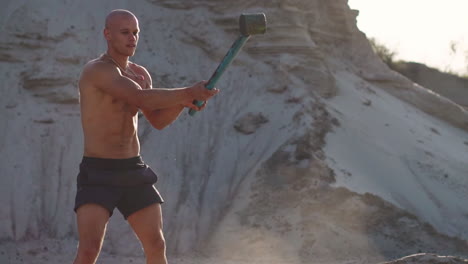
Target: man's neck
(118, 58)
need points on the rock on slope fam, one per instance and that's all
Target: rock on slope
(265, 172)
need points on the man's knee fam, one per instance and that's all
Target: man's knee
(155, 245)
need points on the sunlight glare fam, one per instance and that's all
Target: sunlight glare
(418, 30)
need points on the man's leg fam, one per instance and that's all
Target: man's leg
(92, 221)
(147, 224)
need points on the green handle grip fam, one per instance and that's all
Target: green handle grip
(228, 58)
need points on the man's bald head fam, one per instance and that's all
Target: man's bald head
(121, 32)
(116, 15)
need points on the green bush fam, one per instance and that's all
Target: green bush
(383, 52)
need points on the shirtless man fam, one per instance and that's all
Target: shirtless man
(112, 173)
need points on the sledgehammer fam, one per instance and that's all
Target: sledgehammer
(249, 24)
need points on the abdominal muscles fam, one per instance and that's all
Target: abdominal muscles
(110, 130)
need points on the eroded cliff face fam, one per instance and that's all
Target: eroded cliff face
(248, 175)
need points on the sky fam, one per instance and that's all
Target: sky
(419, 30)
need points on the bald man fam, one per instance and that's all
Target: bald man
(112, 172)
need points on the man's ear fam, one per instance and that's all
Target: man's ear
(106, 33)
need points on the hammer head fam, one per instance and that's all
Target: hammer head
(252, 24)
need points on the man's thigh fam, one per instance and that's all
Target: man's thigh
(147, 223)
(91, 220)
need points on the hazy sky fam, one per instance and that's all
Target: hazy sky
(419, 30)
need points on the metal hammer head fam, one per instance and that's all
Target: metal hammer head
(252, 24)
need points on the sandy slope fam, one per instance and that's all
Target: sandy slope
(391, 149)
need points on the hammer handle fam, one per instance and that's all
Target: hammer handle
(228, 58)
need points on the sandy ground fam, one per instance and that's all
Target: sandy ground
(63, 251)
(55, 251)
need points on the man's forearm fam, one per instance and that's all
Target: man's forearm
(163, 117)
(161, 98)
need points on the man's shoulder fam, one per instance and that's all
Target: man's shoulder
(95, 72)
(98, 64)
(97, 67)
(138, 69)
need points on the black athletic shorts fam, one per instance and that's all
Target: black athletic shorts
(123, 183)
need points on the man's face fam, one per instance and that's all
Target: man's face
(122, 34)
